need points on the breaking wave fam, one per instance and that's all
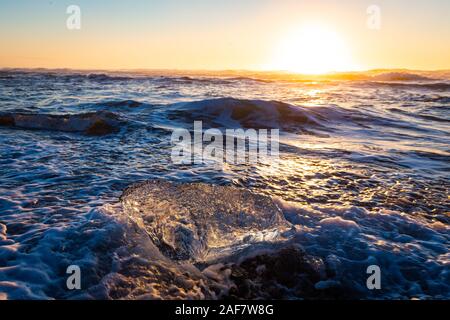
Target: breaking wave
(242, 113)
(234, 113)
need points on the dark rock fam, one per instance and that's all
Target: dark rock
(100, 127)
(6, 120)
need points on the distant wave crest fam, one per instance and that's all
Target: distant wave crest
(399, 76)
(438, 86)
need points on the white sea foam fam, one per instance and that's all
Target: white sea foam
(366, 169)
(199, 235)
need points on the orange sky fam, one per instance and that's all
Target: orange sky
(248, 34)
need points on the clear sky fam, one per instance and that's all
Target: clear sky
(232, 34)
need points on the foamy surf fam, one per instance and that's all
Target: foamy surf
(161, 242)
(323, 251)
(363, 179)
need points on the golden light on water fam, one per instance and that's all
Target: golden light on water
(312, 49)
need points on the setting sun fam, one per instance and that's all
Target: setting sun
(312, 49)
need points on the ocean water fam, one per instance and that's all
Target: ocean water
(86, 179)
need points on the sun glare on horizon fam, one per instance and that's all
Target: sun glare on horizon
(312, 49)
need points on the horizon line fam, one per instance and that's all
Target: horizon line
(287, 72)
